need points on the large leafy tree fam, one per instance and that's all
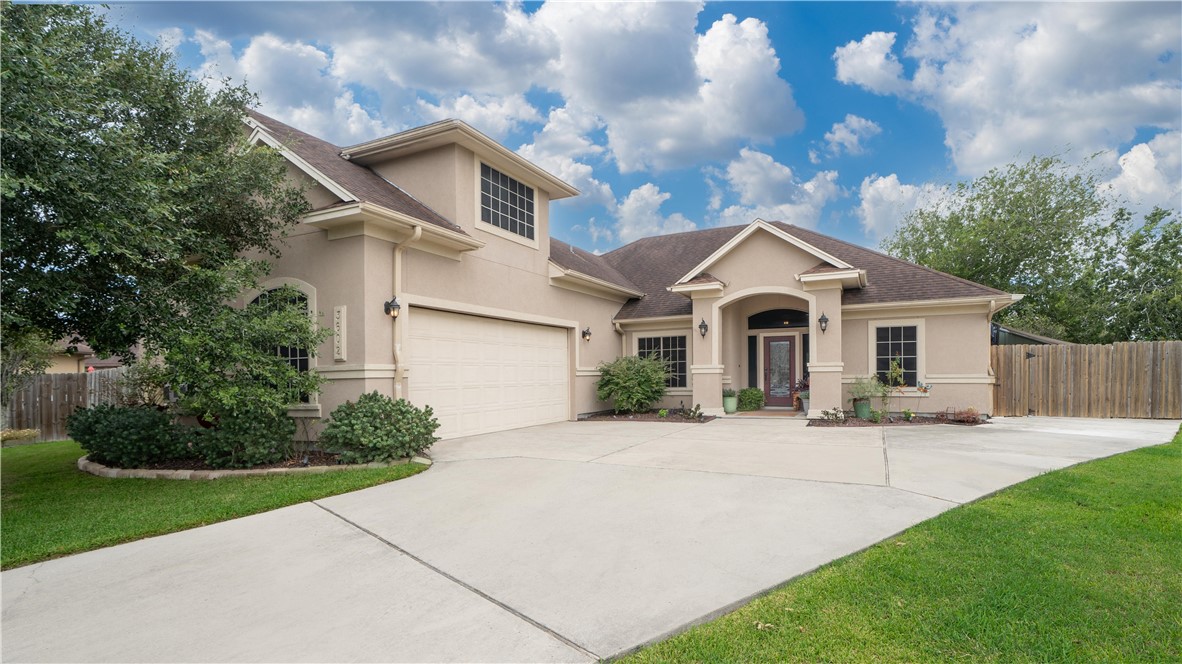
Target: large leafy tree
(127, 187)
(1048, 229)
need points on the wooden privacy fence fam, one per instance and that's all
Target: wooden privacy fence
(1135, 379)
(46, 402)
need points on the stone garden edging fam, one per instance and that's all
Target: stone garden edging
(95, 468)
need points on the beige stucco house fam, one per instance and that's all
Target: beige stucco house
(500, 326)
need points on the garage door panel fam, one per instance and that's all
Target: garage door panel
(483, 374)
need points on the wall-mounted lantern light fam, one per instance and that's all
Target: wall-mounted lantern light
(823, 321)
(392, 307)
(703, 327)
(587, 334)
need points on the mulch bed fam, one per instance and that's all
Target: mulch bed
(673, 415)
(918, 420)
(311, 458)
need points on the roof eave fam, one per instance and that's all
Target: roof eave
(453, 131)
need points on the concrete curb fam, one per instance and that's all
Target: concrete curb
(98, 469)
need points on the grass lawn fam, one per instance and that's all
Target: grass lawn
(1079, 564)
(50, 508)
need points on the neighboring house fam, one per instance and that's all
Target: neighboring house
(501, 326)
(80, 360)
(1000, 335)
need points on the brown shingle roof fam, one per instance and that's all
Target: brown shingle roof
(655, 263)
(585, 262)
(360, 181)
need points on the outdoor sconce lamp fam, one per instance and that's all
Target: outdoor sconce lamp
(823, 321)
(703, 327)
(587, 334)
(392, 307)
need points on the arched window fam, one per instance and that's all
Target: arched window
(298, 357)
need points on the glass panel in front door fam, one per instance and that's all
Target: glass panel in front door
(780, 383)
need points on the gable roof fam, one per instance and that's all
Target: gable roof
(656, 263)
(748, 231)
(584, 262)
(363, 184)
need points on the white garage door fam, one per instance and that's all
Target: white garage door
(484, 374)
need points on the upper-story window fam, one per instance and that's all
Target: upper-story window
(506, 203)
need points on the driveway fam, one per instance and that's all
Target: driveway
(566, 542)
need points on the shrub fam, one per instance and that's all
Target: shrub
(377, 428)
(728, 392)
(632, 383)
(750, 398)
(868, 388)
(245, 439)
(125, 437)
(143, 383)
(18, 434)
(967, 415)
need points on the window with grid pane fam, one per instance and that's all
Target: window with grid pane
(297, 357)
(669, 349)
(506, 203)
(897, 343)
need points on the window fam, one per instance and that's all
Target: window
(670, 349)
(897, 343)
(299, 358)
(506, 203)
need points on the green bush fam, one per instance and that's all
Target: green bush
(125, 437)
(249, 438)
(377, 428)
(750, 398)
(632, 383)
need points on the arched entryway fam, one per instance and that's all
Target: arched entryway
(778, 354)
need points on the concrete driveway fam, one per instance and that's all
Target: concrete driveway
(566, 542)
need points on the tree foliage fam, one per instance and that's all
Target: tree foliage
(1048, 230)
(22, 357)
(121, 176)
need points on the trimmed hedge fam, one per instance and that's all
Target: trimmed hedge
(126, 437)
(632, 383)
(750, 398)
(377, 428)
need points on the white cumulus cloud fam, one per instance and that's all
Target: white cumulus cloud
(1008, 79)
(639, 215)
(851, 134)
(885, 202)
(770, 190)
(1149, 173)
(495, 116)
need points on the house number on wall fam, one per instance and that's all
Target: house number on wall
(338, 333)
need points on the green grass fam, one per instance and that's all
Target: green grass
(51, 509)
(1082, 564)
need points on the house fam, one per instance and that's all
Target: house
(428, 254)
(80, 360)
(1000, 335)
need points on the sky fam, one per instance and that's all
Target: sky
(670, 116)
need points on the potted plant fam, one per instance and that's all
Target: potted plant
(730, 401)
(798, 392)
(862, 391)
(804, 402)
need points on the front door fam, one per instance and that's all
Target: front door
(778, 353)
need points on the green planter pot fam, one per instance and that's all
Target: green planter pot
(862, 408)
(730, 404)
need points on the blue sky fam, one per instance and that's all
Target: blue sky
(671, 116)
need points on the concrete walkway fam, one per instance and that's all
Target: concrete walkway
(567, 542)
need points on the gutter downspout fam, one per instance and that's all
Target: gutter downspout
(395, 334)
(623, 338)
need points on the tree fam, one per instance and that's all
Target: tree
(22, 357)
(1148, 280)
(1048, 230)
(121, 178)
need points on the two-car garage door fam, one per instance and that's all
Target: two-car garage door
(485, 374)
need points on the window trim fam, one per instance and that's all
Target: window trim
(662, 334)
(920, 348)
(493, 229)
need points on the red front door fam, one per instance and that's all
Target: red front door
(778, 356)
